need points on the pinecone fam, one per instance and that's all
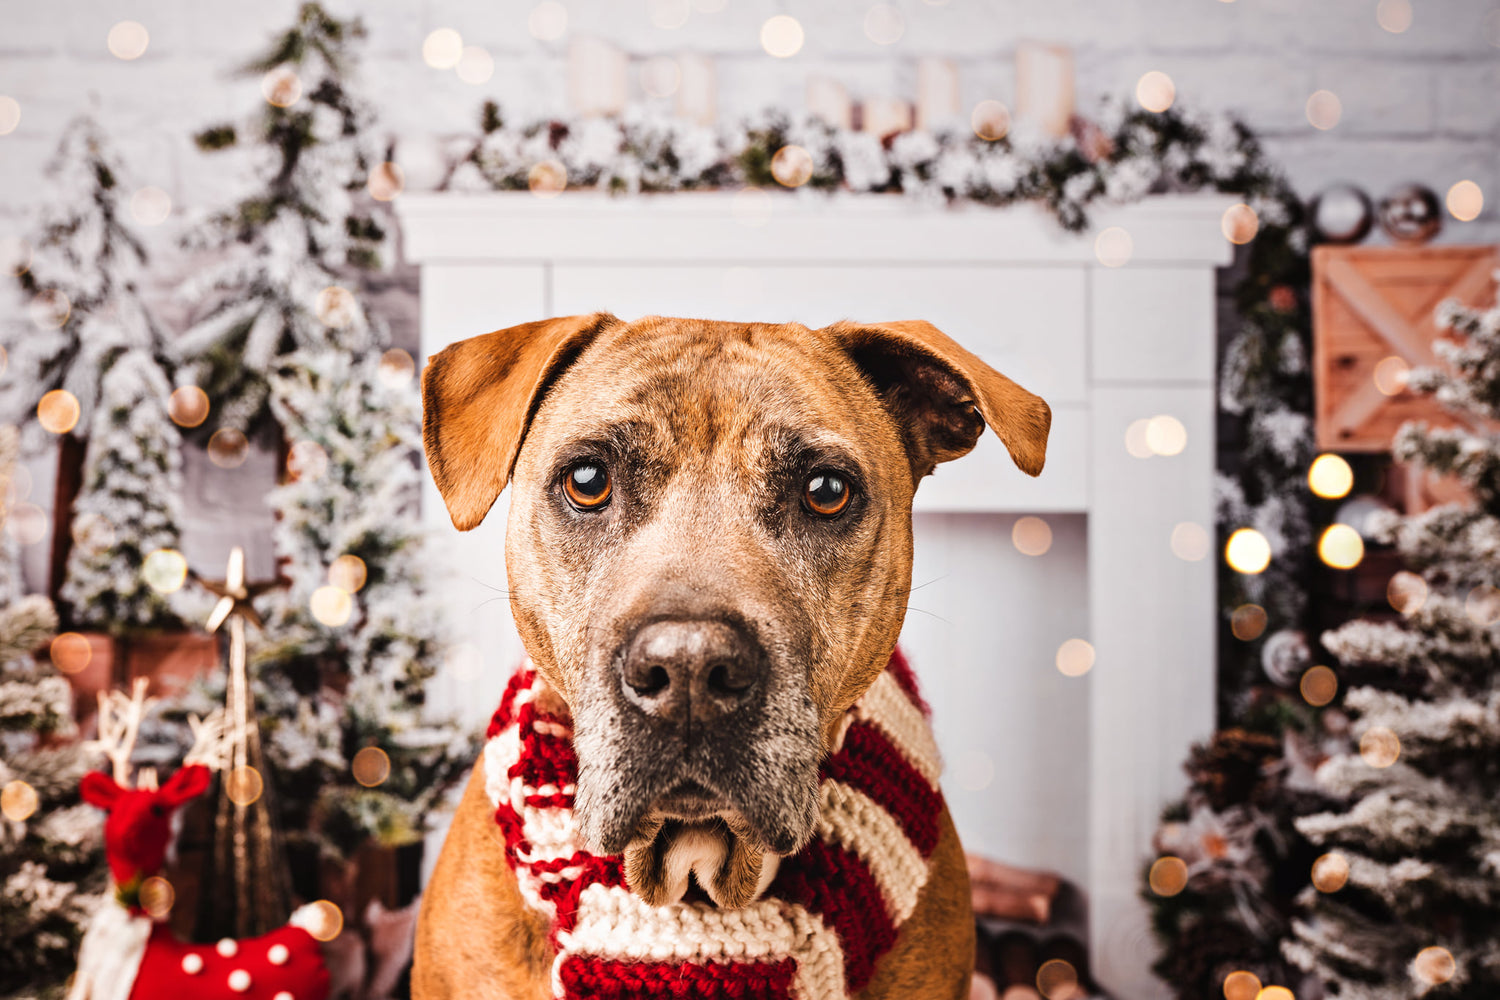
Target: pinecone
(1228, 769)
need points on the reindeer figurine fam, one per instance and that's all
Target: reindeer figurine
(129, 955)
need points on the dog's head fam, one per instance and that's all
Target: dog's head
(709, 549)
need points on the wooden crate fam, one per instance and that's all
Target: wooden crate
(1373, 303)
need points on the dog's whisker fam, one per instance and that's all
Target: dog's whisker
(930, 614)
(936, 579)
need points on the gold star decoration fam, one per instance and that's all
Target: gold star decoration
(235, 594)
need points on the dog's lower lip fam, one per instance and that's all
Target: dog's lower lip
(690, 800)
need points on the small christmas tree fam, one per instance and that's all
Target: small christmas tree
(1407, 897)
(130, 504)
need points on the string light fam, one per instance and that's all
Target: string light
(228, 448)
(781, 36)
(371, 766)
(1166, 436)
(1393, 15)
(1465, 201)
(1434, 965)
(348, 573)
(792, 166)
(1341, 547)
(1247, 551)
(990, 120)
(547, 179)
(1391, 374)
(1239, 224)
(1330, 872)
(244, 785)
(188, 406)
(1319, 685)
(1275, 993)
(1155, 91)
(1330, 477)
(1241, 986)
(331, 605)
(1324, 109)
(281, 87)
(1168, 876)
(548, 21)
(26, 523)
(18, 801)
(884, 24)
(150, 206)
(49, 309)
(1406, 592)
(71, 653)
(165, 571)
(1380, 747)
(1190, 541)
(1135, 439)
(325, 920)
(1031, 536)
(1075, 657)
(443, 48)
(128, 40)
(475, 65)
(1113, 247)
(1057, 980)
(57, 411)
(336, 307)
(157, 897)
(306, 461)
(386, 181)
(1248, 622)
(396, 368)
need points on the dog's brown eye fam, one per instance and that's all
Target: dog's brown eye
(587, 486)
(826, 493)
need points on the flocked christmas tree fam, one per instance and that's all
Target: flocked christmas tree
(1407, 902)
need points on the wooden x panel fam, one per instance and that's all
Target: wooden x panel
(1373, 303)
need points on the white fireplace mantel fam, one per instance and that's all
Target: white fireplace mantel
(1044, 770)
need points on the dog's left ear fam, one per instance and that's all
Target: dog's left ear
(942, 396)
(478, 397)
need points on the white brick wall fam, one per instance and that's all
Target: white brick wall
(1421, 105)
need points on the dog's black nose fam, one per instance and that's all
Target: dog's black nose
(691, 672)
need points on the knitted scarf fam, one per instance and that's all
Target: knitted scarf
(816, 932)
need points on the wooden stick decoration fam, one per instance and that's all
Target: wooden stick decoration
(119, 725)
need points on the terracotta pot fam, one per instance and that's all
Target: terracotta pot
(170, 660)
(87, 660)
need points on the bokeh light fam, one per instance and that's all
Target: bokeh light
(1434, 966)
(49, 309)
(1031, 536)
(71, 653)
(18, 801)
(792, 166)
(396, 368)
(1165, 435)
(157, 897)
(323, 920)
(1319, 685)
(1190, 541)
(1482, 605)
(1465, 201)
(15, 256)
(548, 21)
(661, 76)
(1324, 109)
(336, 307)
(1341, 547)
(475, 65)
(1380, 747)
(1330, 477)
(1169, 876)
(165, 571)
(371, 766)
(188, 406)
(26, 523)
(1114, 247)
(228, 448)
(348, 573)
(243, 785)
(1330, 872)
(1247, 622)
(1247, 551)
(1241, 985)
(669, 14)
(331, 605)
(1075, 657)
(781, 36)
(128, 40)
(386, 181)
(1393, 15)
(1057, 980)
(443, 48)
(1275, 993)
(1239, 224)
(281, 87)
(306, 461)
(10, 114)
(1407, 592)
(150, 206)
(1390, 375)
(884, 24)
(990, 120)
(1135, 439)
(1155, 91)
(547, 179)
(57, 411)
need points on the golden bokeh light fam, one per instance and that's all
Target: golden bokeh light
(1341, 547)
(884, 24)
(1391, 374)
(386, 181)
(661, 76)
(26, 523)
(128, 40)
(1165, 435)
(1135, 439)
(1169, 876)
(1239, 224)
(1247, 551)
(165, 571)
(49, 309)
(281, 87)
(792, 166)
(228, 448)
(150, 206)
(990, 120)
(1057, 980)
(781, 36)
(157, 897)
(1380, 747)
(348, 573)
(15, 256)
(1190, 541)
(475, 65)
(71, 653)
(243, 785)
(1031, 536)
(1113, 247)
(548, 21)
(188, 406)
(396, 368)
(323, 920)
(1393, 15)
(1155, 91)
(1075, 657)
(1319, 685)
(336, 307)
(10, 114)
(1434, 966)
(1324, 109)
(18, 801)
(1248, 622)
(1241, 986)
(1465, 201)
(306, 461)
(371, 766)
(1406, 592)
(331, 605)
(547, 179)
(1275, 993)
(57, 411)
(443, 48)
(1330, 477)
(1330, 872)
(1482, 605)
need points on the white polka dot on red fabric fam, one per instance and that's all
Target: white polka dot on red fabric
(278, 954)
(283, 995)
(192, 963)
(239, 980)
(228, 947)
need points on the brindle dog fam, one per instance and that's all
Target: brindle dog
(709, 556)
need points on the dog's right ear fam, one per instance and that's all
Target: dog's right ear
(478, 397)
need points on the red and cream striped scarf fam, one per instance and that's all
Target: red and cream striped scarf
(816, 932)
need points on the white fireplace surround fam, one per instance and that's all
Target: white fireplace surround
(1043, 770)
